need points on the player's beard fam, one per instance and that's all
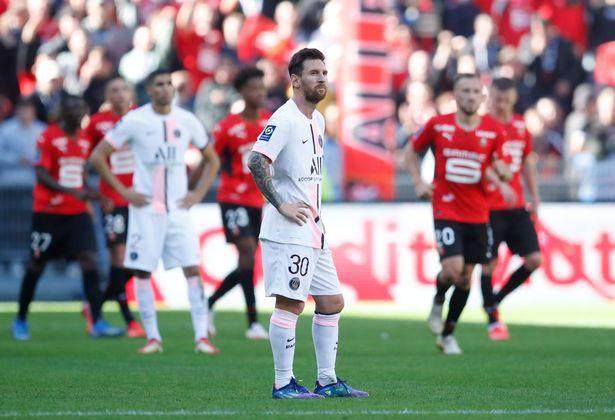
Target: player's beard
(468, 110)
(313, 96)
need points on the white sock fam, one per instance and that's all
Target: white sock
(282, 338)
(147, 308)
(198, 307)
(324, 333)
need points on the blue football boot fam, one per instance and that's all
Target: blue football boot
(339, 389)
(21, 331)
(102, 328)
(293, 391)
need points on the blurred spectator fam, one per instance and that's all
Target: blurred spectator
(70, 61)
(184, 90)
(483, 44)
(197, 42)
(458, 16)
(602, 28)
(214, 97)
(48, 91)
(276, 81)
(104, 29)
(95, 73)
(552, 65)
(333, 157)
(18, 137)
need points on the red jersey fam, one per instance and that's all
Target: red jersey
(65, 159)
(461, 160)
(233, 140)
(121, 161)
(516, 146)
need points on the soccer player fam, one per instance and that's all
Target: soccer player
(464, 145)
(61, 224)
(510, 221)
(119, 96)
(240, 200)
(159, 224)
(286, 163)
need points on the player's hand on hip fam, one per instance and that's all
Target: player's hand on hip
(507, 193)
(136, 199)
(297, 212)
(424, 190)
(190, 200)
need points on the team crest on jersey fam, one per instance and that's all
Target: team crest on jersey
(177, 133)
(320, 140)
(294, 283)
(267, 132)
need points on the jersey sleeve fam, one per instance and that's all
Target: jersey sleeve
(198, 136)
(122, 133)
(44, 152)
(423, 138)
(219, 137)
(273, 138)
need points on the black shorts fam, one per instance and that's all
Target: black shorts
(240, 221)
(116, 226)
(516, 229)
(470, 240)
(61, 236)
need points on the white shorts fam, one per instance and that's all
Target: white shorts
(294, 271)
(170, 236)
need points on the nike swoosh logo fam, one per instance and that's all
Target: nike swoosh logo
(290, 339)
(305, 141)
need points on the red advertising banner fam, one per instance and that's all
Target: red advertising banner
(365, 100)
(385, 252)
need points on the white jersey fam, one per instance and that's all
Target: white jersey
(159, 143)
(294, 143)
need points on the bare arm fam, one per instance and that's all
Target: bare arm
(98, 159)
(44, 178)
(506, 190)
(208, 168)
(529, 172)
(502, 170)
(260, 167)
(421, 188)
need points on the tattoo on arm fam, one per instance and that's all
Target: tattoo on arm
(261, 172)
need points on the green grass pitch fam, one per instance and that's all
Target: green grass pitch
(550, 372)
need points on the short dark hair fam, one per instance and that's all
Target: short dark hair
(245, 75)
(296, 62)
(503, 83)
(152, 76)
(461, 76)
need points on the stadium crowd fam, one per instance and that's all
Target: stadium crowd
(561, 53)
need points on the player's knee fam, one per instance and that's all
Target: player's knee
(35, 266)
(191, 271)
(87, 261)
(450, 274)
(329, 304)
(464, 282)
(291, 305)
(487, 269)
(533, 261)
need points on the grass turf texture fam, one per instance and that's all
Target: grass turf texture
(556, 372)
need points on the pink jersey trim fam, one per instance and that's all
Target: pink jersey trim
(283, 319)
(326, 320)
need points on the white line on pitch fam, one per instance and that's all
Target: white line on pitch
(221, 413)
